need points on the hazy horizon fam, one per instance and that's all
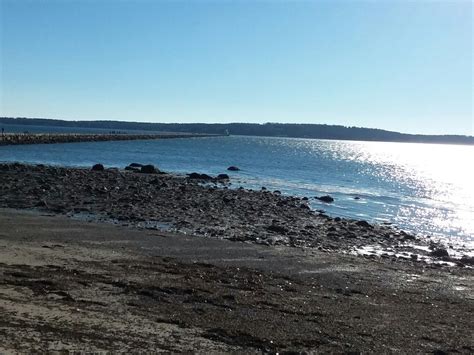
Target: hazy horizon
(397, 66)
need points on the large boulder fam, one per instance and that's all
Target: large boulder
(233, 168)
(222, 177)
(136, 165)
(98, 167)
(326, 199)
(149, 169)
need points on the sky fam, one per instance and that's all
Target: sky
(396, 65)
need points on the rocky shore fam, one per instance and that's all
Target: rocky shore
(204, 206)
(50, 138)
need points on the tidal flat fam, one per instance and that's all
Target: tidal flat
(123, 260)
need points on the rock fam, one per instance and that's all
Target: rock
(136, 165)
(222, 177)
(326, 198)
(264, 188)
(467, 260)
(305, 198)
(155, 181)
(233, 168)
(277, 192)
(149, 169)
(277, 229)
(197, 176)
(131, 168)
(98, 167)
(364, 224)
(305, 206)
(440, 253)
(357, 198)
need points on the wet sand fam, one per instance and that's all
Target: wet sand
(75, 285)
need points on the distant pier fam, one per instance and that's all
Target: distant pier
(50, 138)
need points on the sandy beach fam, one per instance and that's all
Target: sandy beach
(129, 261)
(72, 285)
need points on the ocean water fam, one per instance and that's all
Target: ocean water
(426, 189)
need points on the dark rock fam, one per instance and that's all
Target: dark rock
(233, 168)
(98, 167)
(357, 198)
(326, 198)
(440, 253)
(131, 168)
(337, 219)
(364, 224)
(149, 169)
(305, 199)
(277, 229)
(278, 192)
(155, 181)
(305, 206)
(136, 165)
(467, 260)
(197, 176)
(264, 188)
(222, 177)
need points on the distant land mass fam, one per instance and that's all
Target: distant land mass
(292, 130)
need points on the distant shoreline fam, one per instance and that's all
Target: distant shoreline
(305, 131)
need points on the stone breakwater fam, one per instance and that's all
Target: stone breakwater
(49, 138)
(202, 208)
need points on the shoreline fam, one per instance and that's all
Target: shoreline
(208, 208)
(53, 138)
(83, 286)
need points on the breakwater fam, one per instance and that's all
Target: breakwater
(50, 138)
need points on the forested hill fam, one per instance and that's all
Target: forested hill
(320, 131)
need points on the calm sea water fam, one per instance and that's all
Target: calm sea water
(422, 188)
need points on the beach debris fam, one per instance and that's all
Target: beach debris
(325, 198)
(98, 167)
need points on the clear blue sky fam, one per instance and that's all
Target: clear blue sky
(397, 65)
